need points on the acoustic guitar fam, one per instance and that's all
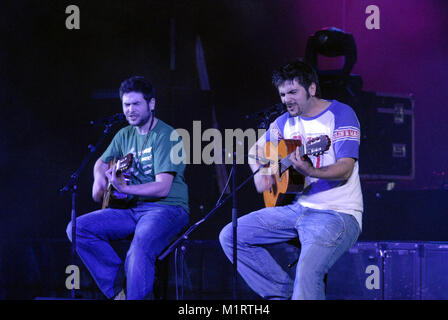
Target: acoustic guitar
(288, 182)
(111, 197)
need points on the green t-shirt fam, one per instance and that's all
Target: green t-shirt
(154, 159)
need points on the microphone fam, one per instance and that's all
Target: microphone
(278, 108)
(116, 118)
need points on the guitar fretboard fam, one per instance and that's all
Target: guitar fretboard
(285, 163)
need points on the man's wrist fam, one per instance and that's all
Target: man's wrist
(313, 172)
(125, 188)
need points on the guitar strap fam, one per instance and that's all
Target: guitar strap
(138, 156)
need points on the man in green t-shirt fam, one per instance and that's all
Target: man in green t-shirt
(156, 198)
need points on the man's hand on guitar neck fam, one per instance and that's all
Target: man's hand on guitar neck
(303, 166)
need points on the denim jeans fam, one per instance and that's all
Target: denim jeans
(324, 236)
(153, 227)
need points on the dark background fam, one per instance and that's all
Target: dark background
(51, 79)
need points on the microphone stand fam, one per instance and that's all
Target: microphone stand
(72, 186)
(266, 116)
(234, 227)
(177, 243)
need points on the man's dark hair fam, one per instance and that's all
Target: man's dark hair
(137, 84)
(297, 70)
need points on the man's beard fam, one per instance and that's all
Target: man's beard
(295, 113)
(144, 121)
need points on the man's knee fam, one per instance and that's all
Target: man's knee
(80, 228)
(226, 236)
(69, 231)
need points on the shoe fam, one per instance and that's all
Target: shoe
(120, 295)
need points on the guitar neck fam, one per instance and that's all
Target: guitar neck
(285, 163)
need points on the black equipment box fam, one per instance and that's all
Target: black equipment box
(434, 271)
(357, 274)
(387, 126)
(391, 271)
(402, 265)
(387, 130)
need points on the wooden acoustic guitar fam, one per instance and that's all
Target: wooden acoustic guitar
(111, 197)
(288, 182)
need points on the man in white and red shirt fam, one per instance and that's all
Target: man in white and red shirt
(326, 216)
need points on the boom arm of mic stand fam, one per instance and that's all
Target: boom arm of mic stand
(185, 235)
(74, 177)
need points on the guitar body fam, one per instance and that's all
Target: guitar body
(287, 183)
(111, 197)
(108, 193)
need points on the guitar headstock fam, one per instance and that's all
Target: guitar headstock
(125, 163)
(318, 145)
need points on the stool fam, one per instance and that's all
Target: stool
(162, 270)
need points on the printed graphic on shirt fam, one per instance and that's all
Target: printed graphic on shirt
(143, 163)
(346, 133)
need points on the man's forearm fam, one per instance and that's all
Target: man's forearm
(154, 189)
(99, 182)
(340, 170)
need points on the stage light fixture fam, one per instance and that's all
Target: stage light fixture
(332, 42)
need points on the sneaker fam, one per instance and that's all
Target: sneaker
(120, 295)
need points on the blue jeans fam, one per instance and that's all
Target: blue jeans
(324, 236)
(153, 227)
